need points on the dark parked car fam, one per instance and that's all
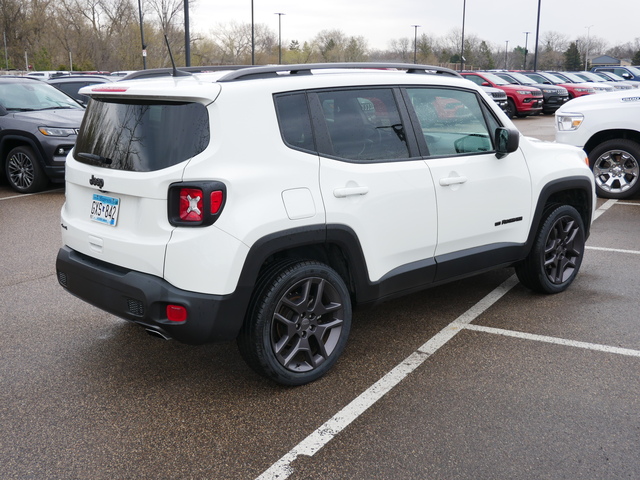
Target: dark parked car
(554, 95)
(70, 84)
(38, 127)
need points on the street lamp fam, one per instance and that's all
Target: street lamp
(415, 43)
(144, 47)
(464, 9)
(253, 38)
(586, 54)
(279, 37)
(506, 53)
(526, 40)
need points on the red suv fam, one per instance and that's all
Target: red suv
(575, 89)
(522, 100)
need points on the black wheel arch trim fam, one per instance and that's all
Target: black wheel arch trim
(24, 140)
(554, 193)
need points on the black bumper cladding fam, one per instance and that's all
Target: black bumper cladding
(143, 299)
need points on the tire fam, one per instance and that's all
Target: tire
(23, 171)
(511, 110)
(616, 168)
(557, 252)
(297, 323)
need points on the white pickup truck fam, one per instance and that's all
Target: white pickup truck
(607, 127)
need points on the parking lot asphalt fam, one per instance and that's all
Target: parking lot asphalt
(478, 379)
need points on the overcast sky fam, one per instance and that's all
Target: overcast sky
(615, 21)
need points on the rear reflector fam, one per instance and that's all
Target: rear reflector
(176, 313)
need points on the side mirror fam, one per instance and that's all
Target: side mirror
(3, 111)
(506, 141)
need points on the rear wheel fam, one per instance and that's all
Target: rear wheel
(557, 252)
(298, 322)
(24, 172)
(616, 168)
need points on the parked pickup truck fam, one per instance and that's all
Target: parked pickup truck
(607, 127)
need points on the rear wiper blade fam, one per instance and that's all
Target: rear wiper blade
(95, 158)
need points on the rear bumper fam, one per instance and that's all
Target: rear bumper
(143, 298)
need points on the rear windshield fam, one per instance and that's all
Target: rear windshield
(141, 136)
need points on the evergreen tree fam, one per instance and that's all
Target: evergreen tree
(636, 58)
(572, 58)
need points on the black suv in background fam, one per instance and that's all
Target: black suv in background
(38, 127)
(554, 95)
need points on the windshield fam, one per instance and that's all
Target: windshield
(141, 136)
(574, 78)
(591, 77)
(635, 71)
(33, 95)
(495, 79)
(523, 79)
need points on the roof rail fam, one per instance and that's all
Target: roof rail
(249, 73)
(165, 72)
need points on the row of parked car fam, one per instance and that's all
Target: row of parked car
(531, 93)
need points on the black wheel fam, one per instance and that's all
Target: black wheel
(557, 252)
(297, 323)
(24, 172)
(615, 165)
(511, 110)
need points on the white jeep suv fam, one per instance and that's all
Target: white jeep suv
(261, 204)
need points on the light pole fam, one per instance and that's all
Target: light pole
(144, 47)
(415, 43)
(506, 53)
(187, 36)
(279, 37)
(526, 40)
(253, 38)
(535, 56)
(464, 10)
(586, 54)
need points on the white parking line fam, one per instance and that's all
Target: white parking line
(616, 250)
(322, 435)
(24, 195)
(603, 208)
(555, 340)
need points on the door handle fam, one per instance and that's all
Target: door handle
(445, 182)
(350, 191)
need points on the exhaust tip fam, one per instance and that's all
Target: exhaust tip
(157, 334)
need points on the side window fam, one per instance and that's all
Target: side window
(294, 121)
(475, 79)
(452, 121)
(363, 124)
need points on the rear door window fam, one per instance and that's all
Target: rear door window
(363, 124)
(141, 136)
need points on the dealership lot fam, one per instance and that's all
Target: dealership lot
(476, 379)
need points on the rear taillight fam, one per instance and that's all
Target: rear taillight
(196, 203)
(191, 205)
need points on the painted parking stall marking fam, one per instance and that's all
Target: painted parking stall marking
(282, 469)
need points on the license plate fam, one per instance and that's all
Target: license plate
(105, 209)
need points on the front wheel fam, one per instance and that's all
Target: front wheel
(616, 168)
(23, 171)
(557, 252)
(511, 110)
(297, 323)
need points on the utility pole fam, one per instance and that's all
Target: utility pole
(526, 40)
(415, 43)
